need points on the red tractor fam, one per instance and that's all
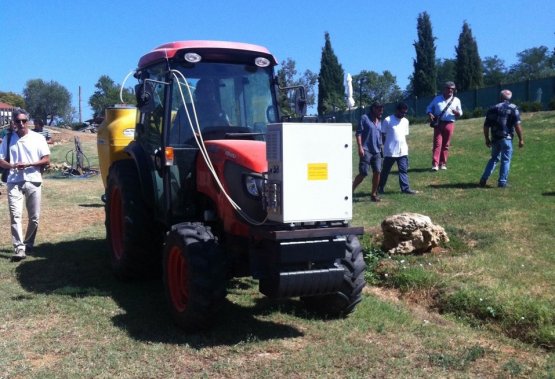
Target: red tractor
(205, 183)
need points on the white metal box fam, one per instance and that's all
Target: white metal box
(309, 172)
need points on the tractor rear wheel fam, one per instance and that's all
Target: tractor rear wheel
(343, 302)
(133, 239)
(194, 276)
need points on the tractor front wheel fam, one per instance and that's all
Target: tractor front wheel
(343, 302)
(194, 276)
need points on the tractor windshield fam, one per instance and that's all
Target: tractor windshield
(221, 100)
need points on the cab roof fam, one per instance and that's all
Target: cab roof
(169, 50)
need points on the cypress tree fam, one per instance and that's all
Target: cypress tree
(331, 89)
(469, 71)
(425, 72)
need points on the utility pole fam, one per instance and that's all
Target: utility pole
(80, 114)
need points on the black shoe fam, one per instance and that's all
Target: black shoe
(482, 183)
(375, 199)
(410, 192)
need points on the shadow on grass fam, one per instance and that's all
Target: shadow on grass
(455, 185)
(80, 268)
(98, 205)
(548, 194)
(419, 170)
(361, 196)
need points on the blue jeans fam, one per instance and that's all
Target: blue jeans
(500, 150)
(402, 165)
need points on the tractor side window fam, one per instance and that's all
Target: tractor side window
(155, 117)
(152, 93)
(182, 121)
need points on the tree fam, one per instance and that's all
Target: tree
(369, 86)
(287, 76)
(469, 72)
(13, 99)
(533, 63)
(46, 101)
(424, 77)
(445, 72)
(495, 71)
(331, 89)
(107, 94)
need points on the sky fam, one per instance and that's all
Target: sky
(74, 42)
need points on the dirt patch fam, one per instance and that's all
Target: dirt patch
(420, 303)
(62, 135)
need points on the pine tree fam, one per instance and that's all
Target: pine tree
(469, 71)
(445, 72)
(331, 89)
(425, 72)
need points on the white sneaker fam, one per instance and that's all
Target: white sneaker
(443, 167)
(434, 168)
(19, 254)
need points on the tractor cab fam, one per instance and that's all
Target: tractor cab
(193, 92)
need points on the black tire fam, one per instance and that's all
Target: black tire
(343, 302)
(194, 276)
(133, 239)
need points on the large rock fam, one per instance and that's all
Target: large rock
(409, 233)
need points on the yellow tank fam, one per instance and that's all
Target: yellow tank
(113, 135)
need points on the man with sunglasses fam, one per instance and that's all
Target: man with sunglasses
(25, 157)
(444, 109)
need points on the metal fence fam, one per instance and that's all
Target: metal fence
(541, 91)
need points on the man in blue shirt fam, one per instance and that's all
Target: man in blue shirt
(369, 141)
(503, 120)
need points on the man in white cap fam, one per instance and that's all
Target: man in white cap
(503, 120)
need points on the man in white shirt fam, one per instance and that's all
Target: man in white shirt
(395, 128)
(28, 153)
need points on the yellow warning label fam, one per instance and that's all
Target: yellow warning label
(317, 171)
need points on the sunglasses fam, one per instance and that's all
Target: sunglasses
(21, 121)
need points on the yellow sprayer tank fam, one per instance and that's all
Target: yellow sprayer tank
(114, 134)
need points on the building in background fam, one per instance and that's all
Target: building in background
(5, 114)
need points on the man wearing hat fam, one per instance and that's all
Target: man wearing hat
(369, 141)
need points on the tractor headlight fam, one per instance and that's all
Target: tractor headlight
(253, 184)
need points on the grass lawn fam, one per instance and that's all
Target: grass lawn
(482, 306)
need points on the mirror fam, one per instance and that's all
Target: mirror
(300, 100)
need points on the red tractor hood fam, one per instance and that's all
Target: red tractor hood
(250, 154)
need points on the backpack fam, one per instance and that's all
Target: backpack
(6, 171)
(501, 120)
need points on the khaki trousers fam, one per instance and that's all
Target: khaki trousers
(30, 193)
